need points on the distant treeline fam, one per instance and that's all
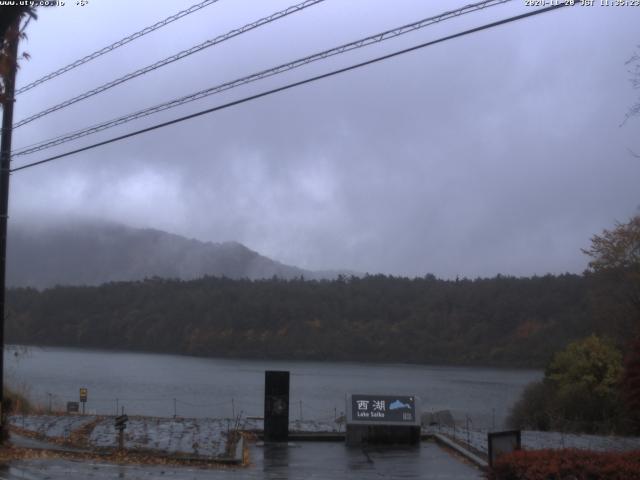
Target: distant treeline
(499, 321)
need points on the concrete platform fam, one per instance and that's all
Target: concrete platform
(317, 460)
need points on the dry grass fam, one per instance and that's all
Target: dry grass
(11, 453)
(18, 401)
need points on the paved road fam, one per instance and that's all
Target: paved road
(308, 460)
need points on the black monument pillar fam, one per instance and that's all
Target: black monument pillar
(276, 406)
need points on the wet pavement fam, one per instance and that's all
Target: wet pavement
(304, 460)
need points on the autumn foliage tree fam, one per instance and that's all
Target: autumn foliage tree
(10, 16)
(617, 250)
(614, 270)
(615, 266)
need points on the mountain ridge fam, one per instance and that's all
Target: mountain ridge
(92, 253)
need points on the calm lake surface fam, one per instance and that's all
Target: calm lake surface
(155, 385)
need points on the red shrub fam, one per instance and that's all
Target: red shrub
(567, 464)
(631, 379)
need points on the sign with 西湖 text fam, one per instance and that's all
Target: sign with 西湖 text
(383, 408)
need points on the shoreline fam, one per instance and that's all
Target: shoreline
(515, 368)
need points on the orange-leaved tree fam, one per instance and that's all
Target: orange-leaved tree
(615, 269)
(631, 384)
(10, 17)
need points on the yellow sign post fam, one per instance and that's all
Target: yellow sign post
(83, 397)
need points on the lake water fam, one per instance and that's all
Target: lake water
(161, 385)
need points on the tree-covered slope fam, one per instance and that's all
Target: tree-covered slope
(499, 321)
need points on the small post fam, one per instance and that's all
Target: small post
(84, 393)
(468, 434)
(117, 401)
(121, 424)
(175, 408)
(300, 410)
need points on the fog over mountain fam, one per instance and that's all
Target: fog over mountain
(91, 253)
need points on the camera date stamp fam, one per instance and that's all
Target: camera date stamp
(582, 3)
(45, 3)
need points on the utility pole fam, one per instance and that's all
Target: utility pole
(13, 35)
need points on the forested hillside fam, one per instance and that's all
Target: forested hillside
(92, 253)
(499, 321)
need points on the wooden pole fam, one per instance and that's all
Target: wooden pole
(13, 36)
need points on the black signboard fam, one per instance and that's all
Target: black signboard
(383, 408)
(73, 407)
(502, 442)
(276, 406)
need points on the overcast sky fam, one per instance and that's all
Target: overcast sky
(499, 152)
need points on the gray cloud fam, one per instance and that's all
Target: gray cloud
(499, 152)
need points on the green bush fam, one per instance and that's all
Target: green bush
(580, 391)
(533, 411)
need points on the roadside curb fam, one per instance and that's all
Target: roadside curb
(442, 440)
(310, 436)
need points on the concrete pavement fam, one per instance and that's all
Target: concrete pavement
(304, 460)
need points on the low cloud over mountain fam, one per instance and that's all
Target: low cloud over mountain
(91, 253)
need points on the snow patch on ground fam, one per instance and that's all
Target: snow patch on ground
(208, 436)
(533, 440)
(51, 425)
(186, 436)
(307, 426)
(204, 437)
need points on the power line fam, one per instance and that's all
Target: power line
(173, 58)
(118, 44)
(363, 42)
(294, 84)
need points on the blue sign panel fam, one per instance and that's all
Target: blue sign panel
(383, 408)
